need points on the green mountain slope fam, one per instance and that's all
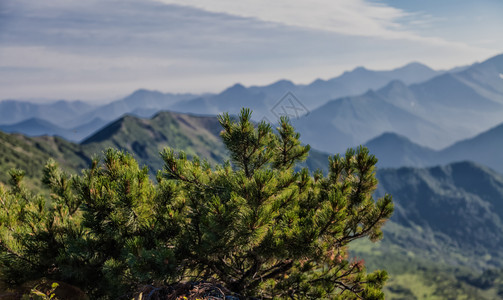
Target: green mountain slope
(145, 138)
(31, 154)
(446, 230)
(459, 205)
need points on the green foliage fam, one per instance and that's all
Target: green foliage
(264, 228)
(104, 231)
(35, 294)
(256, 224)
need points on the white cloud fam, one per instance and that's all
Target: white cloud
(361, 18)
(354, 17)
(99, 49)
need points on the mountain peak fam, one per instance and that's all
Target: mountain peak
(359, 69)
(283, 83)
(36, 123)
(495, 62)
(109, 130)
(415, 66)
(237, 88)
(393, 140)
(142, 93)
(395, 150)
(393, 85)
(389, 136)
(317, 82)
(371, 93)
(356, 71)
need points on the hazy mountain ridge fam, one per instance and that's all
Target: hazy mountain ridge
(58, 112)
(71, 114)
(263, 99)
(357, 119)
(145, 103)
(39, 127)
(482, 77)
(454, 107)
(394, 150)
(361, 79)
(436, 109)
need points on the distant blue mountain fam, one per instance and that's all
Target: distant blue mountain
(393, 150)
(485, 148)
(361, 79)
(143, 103)
(434, 113)
(38, 127)
(486, 77)
(34, 127)
(350, 121)
(59, 112)
(74, 120)
(432, 108)
(262, 99)
(230, 100)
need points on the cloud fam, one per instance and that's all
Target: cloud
(106, 48)
(364, 18)
(355, 17)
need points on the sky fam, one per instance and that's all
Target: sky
(102, 50)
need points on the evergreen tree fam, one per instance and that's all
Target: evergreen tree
(265, 229)
(257, 224)
(105, 231)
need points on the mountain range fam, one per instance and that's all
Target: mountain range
(39, 127)
(144, 103)
(263, 99)
(432, 108)
(434, 113)
(59, 112)
(451, 215)
(485, 148)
